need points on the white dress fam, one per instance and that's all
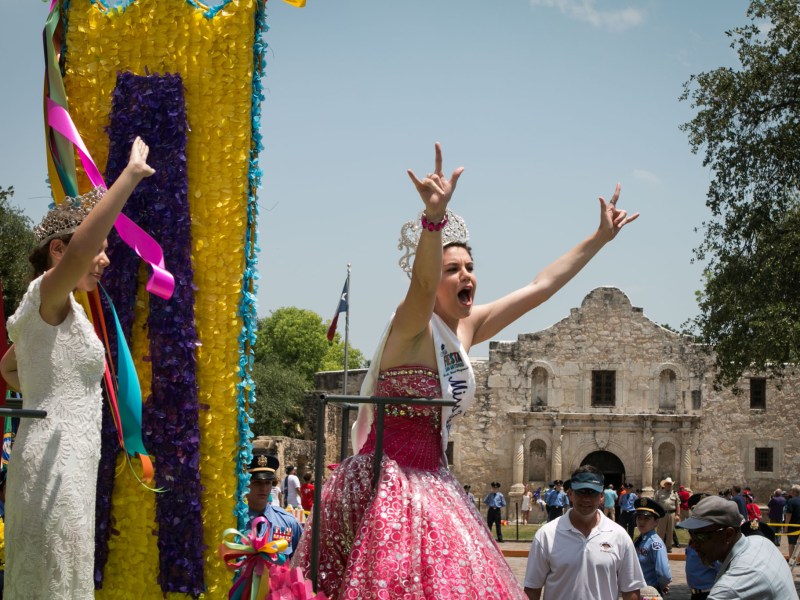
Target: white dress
(52, 472)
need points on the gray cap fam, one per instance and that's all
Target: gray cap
(713, 510)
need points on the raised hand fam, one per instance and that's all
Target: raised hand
(137, 163)
(613, 219)
(435, 190)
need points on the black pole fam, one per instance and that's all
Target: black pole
(516, 510)
(345, 427)
(318, 471)
(376, 465)
(24, 413)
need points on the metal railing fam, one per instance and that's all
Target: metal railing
(322, 400)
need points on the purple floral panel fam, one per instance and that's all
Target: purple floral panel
(153, 107)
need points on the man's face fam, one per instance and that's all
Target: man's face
(585, 501)
(259, 493)
(713, 542)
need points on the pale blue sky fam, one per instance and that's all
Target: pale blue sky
(546, 103)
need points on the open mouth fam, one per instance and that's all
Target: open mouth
(465, 296)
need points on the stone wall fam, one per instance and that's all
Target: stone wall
(536, 417)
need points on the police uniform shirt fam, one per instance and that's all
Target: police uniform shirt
(495, 500)
(284, 526)
(626, 502)
(653, 559)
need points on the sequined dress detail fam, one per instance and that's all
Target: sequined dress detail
(52, 471)
(417, 536)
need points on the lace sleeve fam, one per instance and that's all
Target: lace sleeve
(27, 308)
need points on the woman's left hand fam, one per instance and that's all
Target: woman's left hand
(613, 219)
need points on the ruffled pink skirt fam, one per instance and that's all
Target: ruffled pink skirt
(416, 536)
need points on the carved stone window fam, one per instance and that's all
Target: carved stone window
(538, 388)
(604, 388)
(667, 390)
(537, 461)
(764, 459)
(758, 393)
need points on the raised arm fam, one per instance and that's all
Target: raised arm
(488, 320)
(414, 312)
(76, 257)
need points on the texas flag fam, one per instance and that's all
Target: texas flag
(340, 308)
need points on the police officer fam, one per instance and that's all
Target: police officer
(556, 501)
(649, 547)
(283, 526)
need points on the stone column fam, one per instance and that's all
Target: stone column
(686, 459)
(647, 470)
(518, 468)
(556, 456)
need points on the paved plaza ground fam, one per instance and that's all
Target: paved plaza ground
(678, 591)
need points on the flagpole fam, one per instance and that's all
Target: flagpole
(346, 330)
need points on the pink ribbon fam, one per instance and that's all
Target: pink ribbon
(161, 282)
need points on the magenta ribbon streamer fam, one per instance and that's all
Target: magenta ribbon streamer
(161, 282)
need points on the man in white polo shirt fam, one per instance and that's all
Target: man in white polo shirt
(583, 554)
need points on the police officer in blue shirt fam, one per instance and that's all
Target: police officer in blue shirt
(556, 501)
(496, 502)
(627, 510)
(283, 526)
(649, 547)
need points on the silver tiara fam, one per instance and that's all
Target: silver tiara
(65, 217)
(454, 231)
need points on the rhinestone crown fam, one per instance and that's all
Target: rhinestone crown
(455, 231)
(64, 218)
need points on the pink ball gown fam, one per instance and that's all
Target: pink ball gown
(417, 535)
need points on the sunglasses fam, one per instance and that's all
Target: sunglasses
(700, 537)
(586, 492)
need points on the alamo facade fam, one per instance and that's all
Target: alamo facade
(609, 387)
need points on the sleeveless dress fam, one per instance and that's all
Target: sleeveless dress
(52, 471)
(417, 536)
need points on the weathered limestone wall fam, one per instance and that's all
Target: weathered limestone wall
(533, 418)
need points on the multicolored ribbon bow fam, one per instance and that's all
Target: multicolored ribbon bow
(251, 555)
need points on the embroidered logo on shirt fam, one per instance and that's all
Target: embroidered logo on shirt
(606, 547)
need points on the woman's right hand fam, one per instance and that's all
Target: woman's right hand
(137, 163)
(435, 190)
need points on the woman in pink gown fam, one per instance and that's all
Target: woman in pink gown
(417, 536)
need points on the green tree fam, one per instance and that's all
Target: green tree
(334, 357)
(747, 126)
(296, 338)
(16, 243)
(278, 409)
(291, 346)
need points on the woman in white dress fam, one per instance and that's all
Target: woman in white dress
(525, 506)
(57, 361)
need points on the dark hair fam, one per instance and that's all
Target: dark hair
(588, 469)
(40, 257)
(463, 245)
(307, 477)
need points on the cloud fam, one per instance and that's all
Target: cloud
(587, 11)
(646, 176)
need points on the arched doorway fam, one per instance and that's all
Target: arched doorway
(609, 463)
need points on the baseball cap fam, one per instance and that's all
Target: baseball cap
(713, 510)
(587, 481)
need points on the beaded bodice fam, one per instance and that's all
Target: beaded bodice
(412, 434)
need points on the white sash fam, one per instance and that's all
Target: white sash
(455, 377)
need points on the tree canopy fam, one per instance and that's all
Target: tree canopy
(747, 127)
(291, 346)
(16, 243)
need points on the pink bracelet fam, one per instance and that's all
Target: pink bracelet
(431, 226)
